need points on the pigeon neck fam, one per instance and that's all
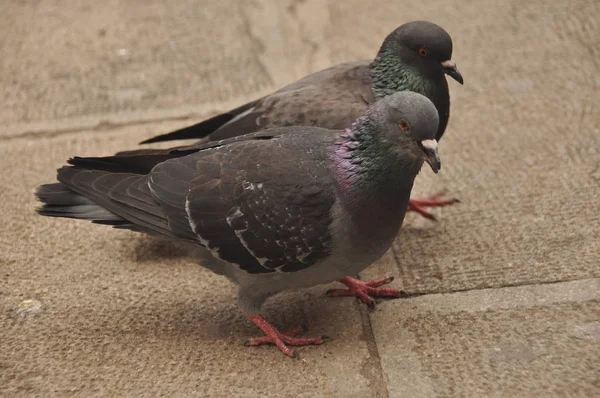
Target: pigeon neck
(373, 179)
(391, 74)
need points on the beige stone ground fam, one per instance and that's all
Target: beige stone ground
(511, 276)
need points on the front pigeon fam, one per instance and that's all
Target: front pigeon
(281, 209)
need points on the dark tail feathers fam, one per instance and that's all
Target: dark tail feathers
(60, 201)
(139, 161)
(202, 129)
(197, 131)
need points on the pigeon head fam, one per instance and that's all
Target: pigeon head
(423, 46)
(407, 122)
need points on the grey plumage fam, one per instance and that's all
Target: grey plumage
(279, 209)
(333, 98)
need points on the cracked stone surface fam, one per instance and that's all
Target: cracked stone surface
(509, 277)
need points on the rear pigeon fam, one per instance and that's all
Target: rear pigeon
(284, 208)
(414, 57)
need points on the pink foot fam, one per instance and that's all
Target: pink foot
(419, 205)
(366, 290)
(274, 336)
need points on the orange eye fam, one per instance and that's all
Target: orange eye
(404, 125)
(423, 52)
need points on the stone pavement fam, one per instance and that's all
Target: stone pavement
(510, 277)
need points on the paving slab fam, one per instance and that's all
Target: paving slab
(526, 341)
(115, 56)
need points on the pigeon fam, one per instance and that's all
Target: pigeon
(283, 208)
(413, 57)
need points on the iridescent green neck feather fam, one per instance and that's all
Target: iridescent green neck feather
(391, 75)
(372, 177)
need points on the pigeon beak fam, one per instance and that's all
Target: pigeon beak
(450, 69)
(430, 153)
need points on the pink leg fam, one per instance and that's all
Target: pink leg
(419, 205)
(274, 336)
(366, 290)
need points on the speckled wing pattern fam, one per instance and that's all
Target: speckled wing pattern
(262, 201)
(261, 204)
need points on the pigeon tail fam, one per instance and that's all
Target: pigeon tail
(60, 201)
(202, 129)
(196, 131)
(133, 162)
(118, 199)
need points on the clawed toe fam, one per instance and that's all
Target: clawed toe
(366, 291)
(420, 205)
(282, 340)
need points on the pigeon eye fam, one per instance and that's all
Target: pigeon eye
(403, 125)
(423, 52)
